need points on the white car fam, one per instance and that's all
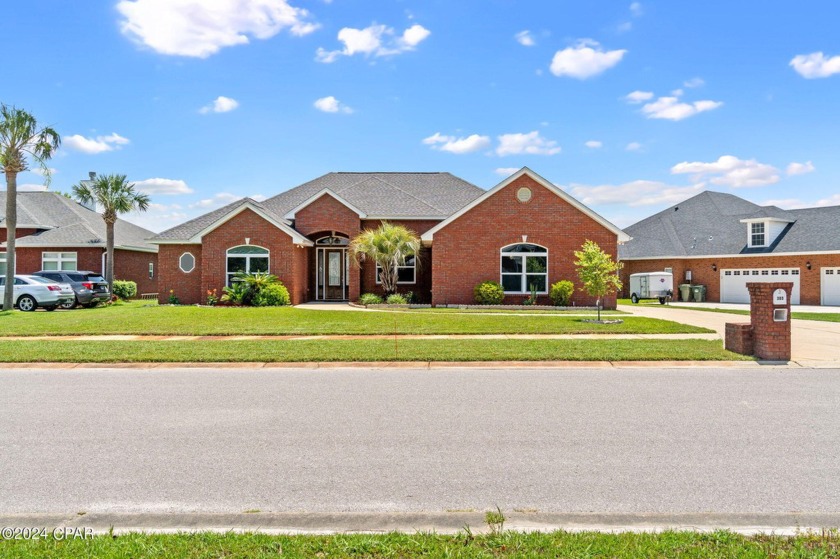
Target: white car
(32, 292)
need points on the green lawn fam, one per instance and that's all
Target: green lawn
(20, 351)
(822, 317)
(140, 318)
(403, 546)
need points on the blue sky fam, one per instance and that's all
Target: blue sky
(629, 106)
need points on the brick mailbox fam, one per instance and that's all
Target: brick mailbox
(767, 335)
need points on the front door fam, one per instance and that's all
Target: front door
(331, 274)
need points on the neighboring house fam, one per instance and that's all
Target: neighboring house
(522, 232)
(57, 233)
(723, 242)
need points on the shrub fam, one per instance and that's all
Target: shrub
(173, 299)
(489, 293)
(370, 299)
(561, 293)
(396, 299)
(272, 295)
(125, 289)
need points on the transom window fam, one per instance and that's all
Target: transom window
(405, 274)
(186, 263)
(757, 234)
(58, 261)
(249, 259)
(524, 267)
(332, 241)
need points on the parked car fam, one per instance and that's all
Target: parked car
(66, 297)
(90, 287)
(30, 292)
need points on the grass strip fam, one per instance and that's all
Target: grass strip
(21, 351)
(463, 545)
(203, 321)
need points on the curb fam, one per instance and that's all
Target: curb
(441, 523)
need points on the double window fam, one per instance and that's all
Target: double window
(54, 261)
(757, 234)
(524, 268)
(249, 259)
(405, 274)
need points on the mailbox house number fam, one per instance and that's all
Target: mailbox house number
(780, 297)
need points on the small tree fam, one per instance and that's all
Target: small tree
(20, 139)
(388, 246)
(115, 196)
(597, 271)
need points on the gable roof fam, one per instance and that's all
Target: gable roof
(62, 222)
(193, 230)
(622, 236)
(326, 192)
(713, 224)
(384, 195)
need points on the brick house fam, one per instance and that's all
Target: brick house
(520, 233)
(723, 242)
(57, 233)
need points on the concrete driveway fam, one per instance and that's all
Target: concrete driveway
(814, 342)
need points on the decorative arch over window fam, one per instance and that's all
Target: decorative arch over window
(250, 259)
(523, 268)
(333, 241)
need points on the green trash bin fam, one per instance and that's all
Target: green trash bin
(698, 293)
(685, 291)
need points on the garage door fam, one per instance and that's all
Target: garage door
(733, 283)
(830, 286)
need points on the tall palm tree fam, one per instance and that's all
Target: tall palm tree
(114, 195)
(388, 246)
(21, 139)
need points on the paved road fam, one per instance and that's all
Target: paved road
(566, 440)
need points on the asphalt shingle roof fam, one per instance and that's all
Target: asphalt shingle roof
(63, 221)
(709, 224)
(191, 228)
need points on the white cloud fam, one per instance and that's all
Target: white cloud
(633, 146)
(221, 104)
(671, 108)
(584, 60)
(506, 171)
(796, 203)
(636, 9)
(158, 216)
(594, 144)
(531, 143)
(633, 193)
(637, 96)
(800, 168)
(99, 144)
(200, 28)
(694, 82)
(815, 65)
(217, 200)
(164, 187)
(31, 187)
(40, 171)
(375, 40)
(525, 38)
(331, 105)
(452, 144)
(730, 171)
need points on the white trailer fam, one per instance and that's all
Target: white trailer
(651, 285)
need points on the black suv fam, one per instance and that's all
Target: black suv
(90, 287)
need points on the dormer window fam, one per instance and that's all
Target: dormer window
(757, 235)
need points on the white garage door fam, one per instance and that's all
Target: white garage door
(830, 286)
(733, 283)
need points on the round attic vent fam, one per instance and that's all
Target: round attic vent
(523, 194)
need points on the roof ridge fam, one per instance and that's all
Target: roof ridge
(408, 194)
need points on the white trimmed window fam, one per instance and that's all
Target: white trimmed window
(2, 263)
(757, 234)
(186, 263)
(249, 259)
(524, 266)
(406, 274)
(54, 261)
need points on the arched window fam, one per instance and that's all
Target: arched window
(246, 258)
(524, 267)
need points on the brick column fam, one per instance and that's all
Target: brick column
(771, 336)
(739, 337)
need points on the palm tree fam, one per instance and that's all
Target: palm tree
(20, 139)
(115, 196)
(388, 246)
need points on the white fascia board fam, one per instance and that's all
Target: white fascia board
(297, 238)
(326, 192)
(763, 219)
(749, 255)
(406, 217)
(622, 236)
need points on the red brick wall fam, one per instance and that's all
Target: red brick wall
(29, 259)
(134, 266)
(18, 233)
(187, 287)
(703, 274)
(467, 251)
